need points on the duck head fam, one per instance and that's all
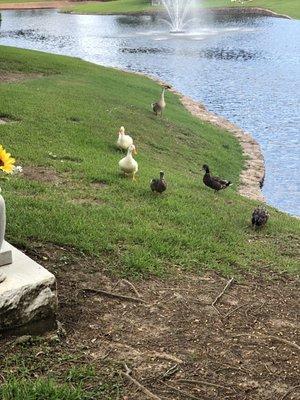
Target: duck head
(132, 149)
(205, 168)
(122, 130)
(161, 174)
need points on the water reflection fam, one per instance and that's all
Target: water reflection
(247, 69)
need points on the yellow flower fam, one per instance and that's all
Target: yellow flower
(6, 161)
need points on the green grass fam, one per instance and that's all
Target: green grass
(16, 389)
(289, 7)
(133, 231)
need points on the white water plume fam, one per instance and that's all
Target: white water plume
(179, 12)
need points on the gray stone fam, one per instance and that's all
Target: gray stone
(27, 294)
(5, 255)
(23, 339)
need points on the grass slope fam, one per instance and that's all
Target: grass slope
(289, 7)
(74, 112)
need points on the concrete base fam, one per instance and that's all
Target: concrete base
(5, 255)
(27, 293)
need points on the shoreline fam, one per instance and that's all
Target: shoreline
(250, 11)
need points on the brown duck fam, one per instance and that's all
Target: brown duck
(159, 185)
(260, 217)
(214, 182)
(160, 105)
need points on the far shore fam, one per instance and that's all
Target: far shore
(61, 5)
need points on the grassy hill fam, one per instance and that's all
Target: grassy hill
(68, 113)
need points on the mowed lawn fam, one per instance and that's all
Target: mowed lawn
(68, 113)
(289, 7)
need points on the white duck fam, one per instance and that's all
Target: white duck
(128, 164)
(124, 141)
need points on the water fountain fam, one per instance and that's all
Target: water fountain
(179, 12)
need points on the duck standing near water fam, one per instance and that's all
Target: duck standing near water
(214, 182)
(160, 105)
(128, 164)
(159, 185)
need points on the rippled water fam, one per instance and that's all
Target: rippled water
(245, 69)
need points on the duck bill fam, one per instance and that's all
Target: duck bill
(135, 152)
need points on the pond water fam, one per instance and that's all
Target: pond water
(246, 69)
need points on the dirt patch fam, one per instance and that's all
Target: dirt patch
(99, 184)
(88, 201)
(42, 174)
(244, 348)
(13, 77)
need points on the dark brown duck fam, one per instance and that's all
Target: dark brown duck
(159, 185)
(260, 217)
(214, 182)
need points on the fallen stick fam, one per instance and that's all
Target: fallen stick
(113, 295)
(234, 310)
(171, 371)
(139, 385)
(279, 339)
(166, 356)
(180, 391)
(228, 284)
(196, 381)
(289, 392)
(132, 287)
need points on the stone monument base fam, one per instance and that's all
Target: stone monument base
(27, 293)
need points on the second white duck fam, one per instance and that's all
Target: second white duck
(124, 141)
(128, 164)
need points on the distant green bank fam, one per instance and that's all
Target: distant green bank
(287, 7)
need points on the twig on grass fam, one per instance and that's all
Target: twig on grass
(181, 391)
(271, 337)
(196, 381)
(228, 284)
(170, 372)
(138, 384)
(234, 310)
(132, 287)
(289, 392)
(113, 295)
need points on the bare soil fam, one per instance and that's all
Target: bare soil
(13, 77)
(175, 342)
(42, 174)
(34, 5)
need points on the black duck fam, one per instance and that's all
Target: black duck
(214, 182)
(260, 217)
(159, 185)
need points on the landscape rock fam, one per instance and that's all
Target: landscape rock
(28, 293)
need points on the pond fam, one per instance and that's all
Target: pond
(246, 69)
